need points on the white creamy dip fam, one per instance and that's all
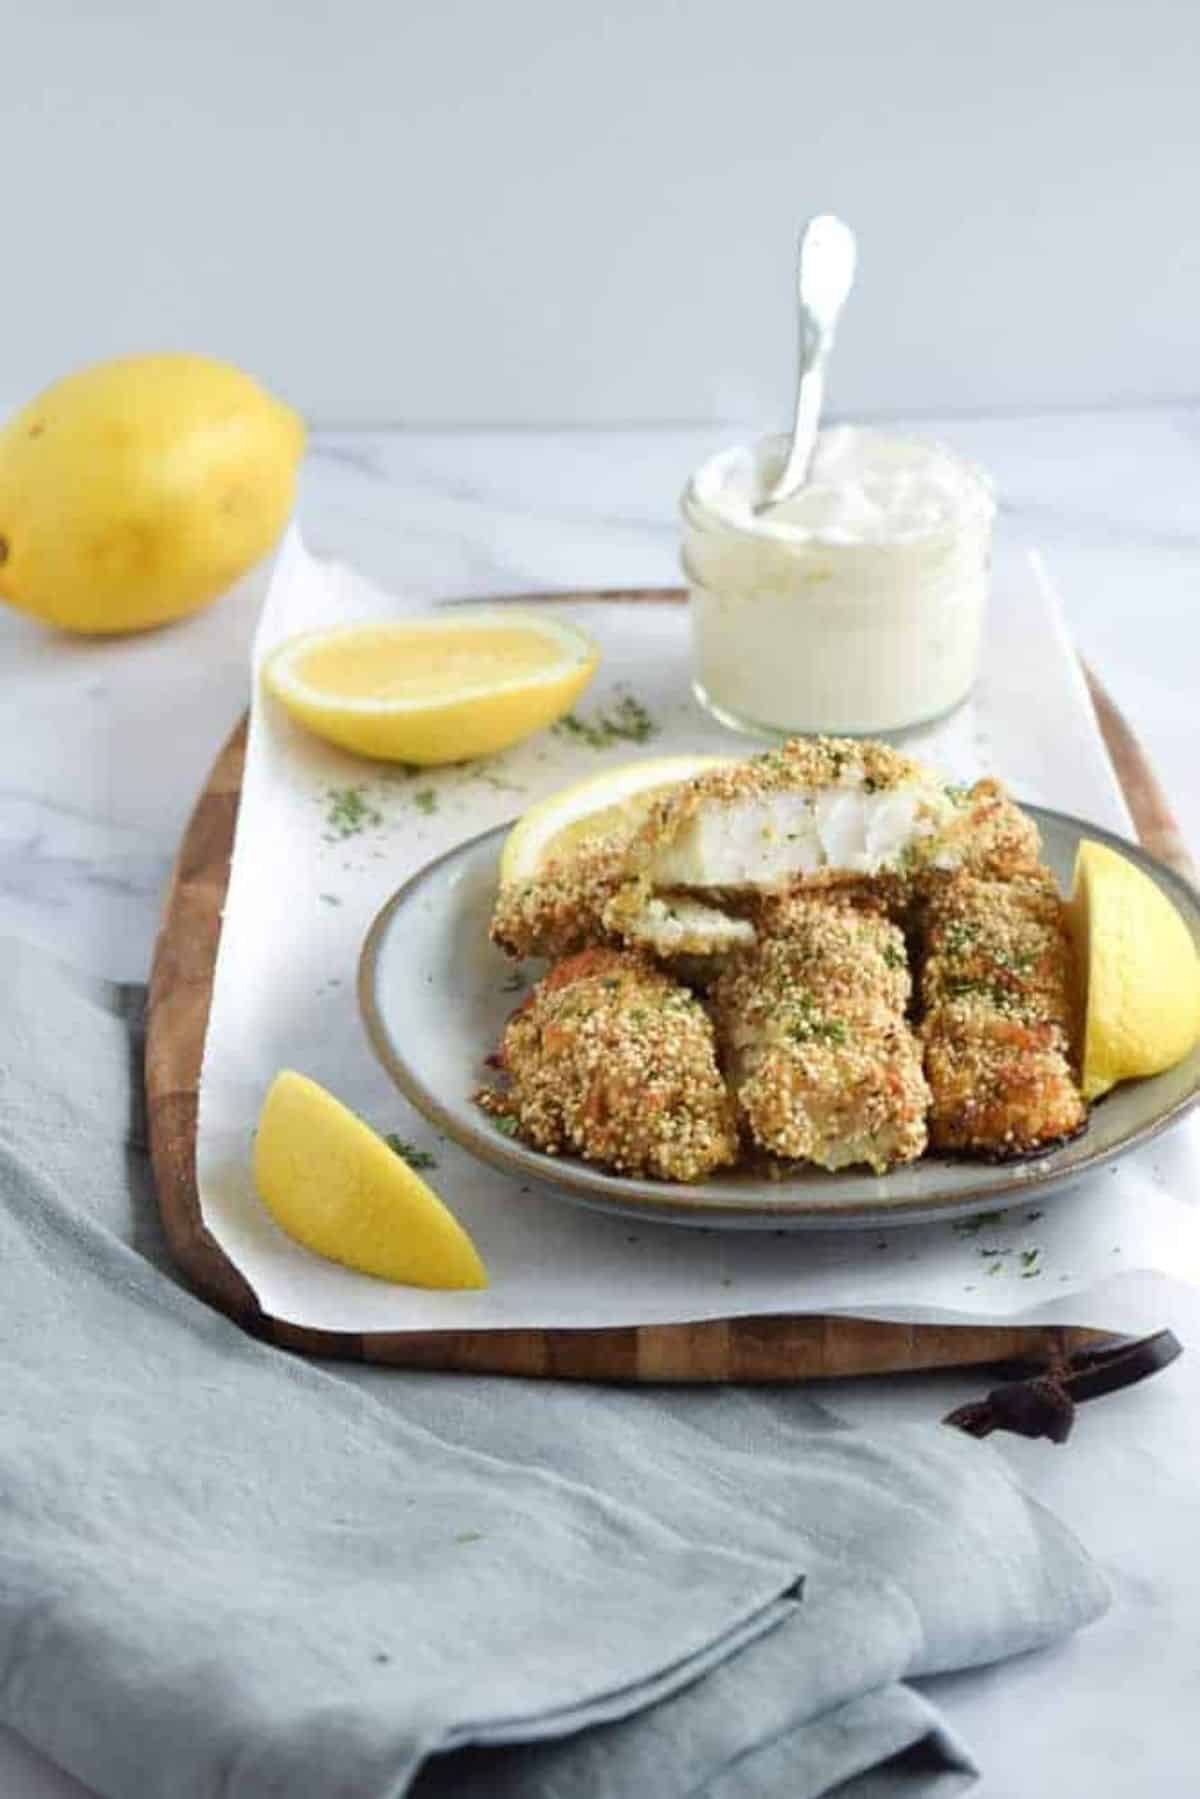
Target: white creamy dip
(855, 606)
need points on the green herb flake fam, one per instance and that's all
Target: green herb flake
(409, 1152)
(349, 813)
(426, 801)
(469, 1536)
(1002, 998)
(811, 1025)
(508, 1127)
(330, 899)
(819, 1030)
(958, 936)
(625, 720)
(894, 957)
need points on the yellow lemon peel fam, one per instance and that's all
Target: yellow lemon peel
(337, 1187)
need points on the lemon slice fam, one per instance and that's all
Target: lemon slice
(1140, 970)
(339, 1189)
(608, 804)
(434, 689)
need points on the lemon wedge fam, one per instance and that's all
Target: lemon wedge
(435, 689)
(612, 803)
(1139, 968)
(334, 1185)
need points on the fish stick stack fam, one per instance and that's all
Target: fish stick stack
(743, 954)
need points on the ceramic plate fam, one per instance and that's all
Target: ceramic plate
(435, 994)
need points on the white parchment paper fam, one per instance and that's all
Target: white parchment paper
(309, 873)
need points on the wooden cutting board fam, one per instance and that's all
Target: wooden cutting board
(727, 1349)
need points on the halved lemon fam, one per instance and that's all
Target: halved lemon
(435, 689)
(612, 803)
(334, 1185)
(1139, 968)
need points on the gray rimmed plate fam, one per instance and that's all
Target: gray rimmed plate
(435, 994)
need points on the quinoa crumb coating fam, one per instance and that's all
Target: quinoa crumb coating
(801, 762)
(560, 910)
(990, 836)
(813, 1036)
(997, 996)
(613, 1060)
(887, 897)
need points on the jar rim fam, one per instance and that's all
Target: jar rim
(976, 513)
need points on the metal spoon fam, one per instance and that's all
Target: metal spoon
(825, 275)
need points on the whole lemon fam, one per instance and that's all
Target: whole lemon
(137, 490)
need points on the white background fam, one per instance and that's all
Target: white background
(453, 210)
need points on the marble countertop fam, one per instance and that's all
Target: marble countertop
(107, 743)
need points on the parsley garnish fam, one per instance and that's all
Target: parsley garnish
(1018, 961)
(409, 1152)
(426, 801)
(818, 1030)
(958, 936)
(349, 813)
(625, 721)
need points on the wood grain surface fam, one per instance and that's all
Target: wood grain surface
(730, 1349)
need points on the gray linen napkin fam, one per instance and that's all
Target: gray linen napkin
(224, 1571)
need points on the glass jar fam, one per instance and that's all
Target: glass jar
(854, 608)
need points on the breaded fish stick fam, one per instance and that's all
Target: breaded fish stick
(613, 1060)
(823, 811)
(815, 1044)
(561, 909)
(997, 1016)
